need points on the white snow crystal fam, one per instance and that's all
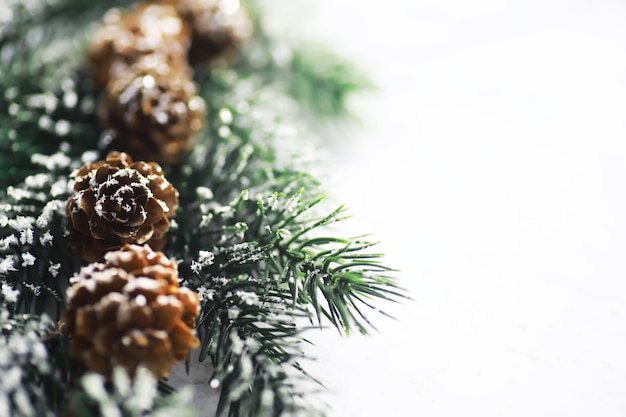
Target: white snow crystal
(233, 313)
(51, 162)
(8, 241)
(18, 193)
(21, 222)
(37, 180)
(46, 238)
(23, 402)
(9, 294)
(62, 186)
(204, 192)
(7, 264)
(89, 156)
(26, 236)
(247, 297)
(11, 379)
(28, 259)
(54, 269)
(145, 389)
(49, 209)
(205, 257)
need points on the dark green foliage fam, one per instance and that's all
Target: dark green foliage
(124, 397)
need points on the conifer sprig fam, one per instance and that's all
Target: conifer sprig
(254, 231)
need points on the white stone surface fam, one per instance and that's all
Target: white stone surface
(491, 166)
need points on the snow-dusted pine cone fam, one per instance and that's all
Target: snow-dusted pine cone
(152, 116)
(219, 28)
(149, 33)
(119, 201)
(131, 312)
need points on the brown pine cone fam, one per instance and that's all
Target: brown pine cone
(149, 33)
(152, 116)
(219, 28)
(131, 312)
(119, 201)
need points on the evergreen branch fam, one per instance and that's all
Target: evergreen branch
(249, 236)
(316, 77)
(95, 397)
(34, 365)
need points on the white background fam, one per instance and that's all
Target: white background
(491, 164)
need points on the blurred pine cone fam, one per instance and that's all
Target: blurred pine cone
(149, 33)
(131, 312)
(119, 201)
(152, 116)
(219, 28)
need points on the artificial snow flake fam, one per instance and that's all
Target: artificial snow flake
(247, 297)
(226, 212)
(226, 116)
(206, 294)
(4, 405)
(18, 193)
(272, 201)
(37, 180)
(62, 127)
(26, 236)
(93, 384)
(224, 131)
(121, 380)
(236, 344)
(44, 101)
(9, 293)
(51, 207)
(54, 269)
(45, 122)
(35, 289)
(145, 389)
(11, 379)
(205, 257)
(40, 353)
(20, 223)
(7, 264)
(51, 162)
(70, 99)
(89, 156)
(206, 219)
(28, 259)
(60, 187)
(204, 193)
(8, 241)
(46, 238)
(23, 403)
(233, 313)
(195, 267)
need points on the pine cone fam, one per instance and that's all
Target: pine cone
(219, 28)
(119, 201)
(154, 34)
(131, 312)
(152, 116)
